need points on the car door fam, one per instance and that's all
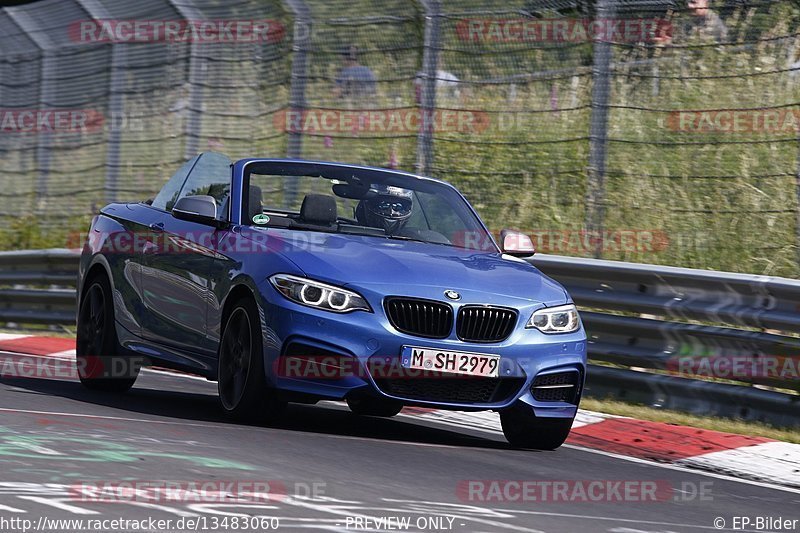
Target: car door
(180, 264)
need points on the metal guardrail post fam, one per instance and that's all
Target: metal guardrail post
(430, 62)
(598, 128)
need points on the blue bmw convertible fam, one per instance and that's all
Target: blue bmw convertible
(299, 281)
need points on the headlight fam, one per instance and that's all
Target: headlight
(561, 319)
(319, 295)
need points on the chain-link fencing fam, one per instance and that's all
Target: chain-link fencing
(651, 130)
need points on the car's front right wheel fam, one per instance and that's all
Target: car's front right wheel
(243, 391)
(523, 429)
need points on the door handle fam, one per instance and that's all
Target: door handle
(157, 226)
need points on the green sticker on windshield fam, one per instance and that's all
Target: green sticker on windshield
(260, 219)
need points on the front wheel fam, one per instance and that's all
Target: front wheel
(99, 365)
(367, 406)
(523, 429)
(243, 391)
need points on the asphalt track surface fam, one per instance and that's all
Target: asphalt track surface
(338, 471)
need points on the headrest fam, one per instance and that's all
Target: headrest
(318, 209)
(254, 206)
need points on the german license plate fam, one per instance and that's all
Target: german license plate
(471, 364)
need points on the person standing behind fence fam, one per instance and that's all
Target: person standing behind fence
(701, 21)
(354, 81)
(704, 22)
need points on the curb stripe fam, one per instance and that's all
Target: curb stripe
(657, 440)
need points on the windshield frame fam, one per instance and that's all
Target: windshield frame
(345, 172)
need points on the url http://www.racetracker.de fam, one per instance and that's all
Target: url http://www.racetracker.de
(200, 523)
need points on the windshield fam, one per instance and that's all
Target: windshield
(368, 202)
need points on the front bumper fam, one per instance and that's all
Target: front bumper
(360, 353)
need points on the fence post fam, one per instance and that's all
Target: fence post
(430, 62)
(301, 43)
(197, 68)
(116, 106)
(598, 130)
(44, 139)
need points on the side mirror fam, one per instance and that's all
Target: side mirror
(200, 209)
(516, 243)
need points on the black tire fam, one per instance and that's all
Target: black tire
(100, 366)
(523, 429)
(241, 383)
(368, 406)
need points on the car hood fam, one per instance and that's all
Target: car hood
(355, 260)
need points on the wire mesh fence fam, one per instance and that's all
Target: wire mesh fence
(651, 130)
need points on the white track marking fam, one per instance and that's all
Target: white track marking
(12, 336)
(778, 462)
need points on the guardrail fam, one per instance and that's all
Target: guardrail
(695, 323)
(38, 286)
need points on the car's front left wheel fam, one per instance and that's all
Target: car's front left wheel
(243, 391)
(100, 366)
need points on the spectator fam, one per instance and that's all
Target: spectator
(704, 22)
(355, 80)
(701, 22)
